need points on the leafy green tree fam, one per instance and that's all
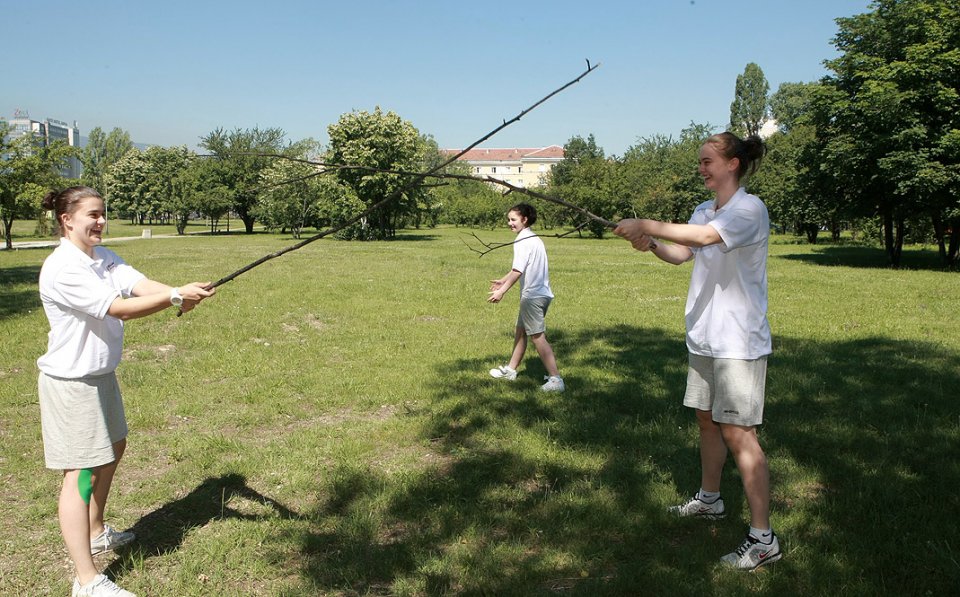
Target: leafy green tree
(239, 157)
(290, 197)
(29, 170)
(125, 187)
(660, 178)
(382, 141)
(889, 117)
(749, 108)
(102, 151)
(585, 177)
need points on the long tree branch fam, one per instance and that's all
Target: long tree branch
(327, 168)
(417, 179)
(488, 247)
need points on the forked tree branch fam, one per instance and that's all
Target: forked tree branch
(488, 247)
(417, 179)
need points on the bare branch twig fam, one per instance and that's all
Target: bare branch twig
(416, 180)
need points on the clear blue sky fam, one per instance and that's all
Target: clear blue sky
(171, 71)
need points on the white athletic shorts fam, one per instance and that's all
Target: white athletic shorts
(533, 311)
(732, 389)
(80, 419)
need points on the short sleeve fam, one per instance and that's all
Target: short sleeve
(741, 225)
(77, 287)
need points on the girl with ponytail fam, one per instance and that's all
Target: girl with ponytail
(728, 336)
(88, 292)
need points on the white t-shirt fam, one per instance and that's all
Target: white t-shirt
(530, 259)
(726, 313)
(76, 293)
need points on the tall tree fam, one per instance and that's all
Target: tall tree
(586, 177)
(749, 108)
(381, 140)
(102, 151)
(890, 115)
(29, 170)
(239, 158)
(661, 177)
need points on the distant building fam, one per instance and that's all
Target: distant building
(522, 167)
(46, 132)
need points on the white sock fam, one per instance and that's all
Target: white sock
(763, 535)
(708, 496)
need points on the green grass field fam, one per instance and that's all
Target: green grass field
(326, 426)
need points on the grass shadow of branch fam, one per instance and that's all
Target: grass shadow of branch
(162, 531)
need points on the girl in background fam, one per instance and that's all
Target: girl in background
(530, 268)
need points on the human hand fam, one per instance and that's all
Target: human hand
(495, 296)
(195, 292)
(632, 229)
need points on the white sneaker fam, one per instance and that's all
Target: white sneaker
(110, 539)
(503, 372)
(752, 554)
(100, 586)
(554, 384)
(698, 508)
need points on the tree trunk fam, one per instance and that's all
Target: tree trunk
(953, 254)
(939, 232)
(248, 221)
(181, 223)
(812, 231)
(8, 231)
(893, 231)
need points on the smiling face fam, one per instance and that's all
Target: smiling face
(718, 172)
(516, 222)
(83, 226)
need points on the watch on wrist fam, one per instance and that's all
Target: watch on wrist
(175, 299)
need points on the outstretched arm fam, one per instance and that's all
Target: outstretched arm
(150, 297)
(500, 287)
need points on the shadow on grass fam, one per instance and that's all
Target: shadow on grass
(163, 530)
(14, 301)
(538, 494)
(866, 257)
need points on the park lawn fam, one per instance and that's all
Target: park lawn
(326, 425)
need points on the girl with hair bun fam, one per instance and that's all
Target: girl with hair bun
(530, 268)
(728, 336)
(88, 292)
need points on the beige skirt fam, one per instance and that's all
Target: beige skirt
(80, 419)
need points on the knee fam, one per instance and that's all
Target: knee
(706, 423)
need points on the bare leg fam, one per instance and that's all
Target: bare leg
(74, 514)
(713, 451)
(546, 353)
(519, 347)
(102, 479)
(752, 463)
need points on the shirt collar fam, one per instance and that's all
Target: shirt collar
(78, 253)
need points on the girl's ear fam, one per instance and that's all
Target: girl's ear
(733, 165)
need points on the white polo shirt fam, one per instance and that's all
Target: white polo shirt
(726, 313)
(76, 293)
(530, 259)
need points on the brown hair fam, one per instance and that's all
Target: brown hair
(526, 211)
(749, 151)
(65, 201)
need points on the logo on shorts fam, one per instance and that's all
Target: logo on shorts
(731, 412)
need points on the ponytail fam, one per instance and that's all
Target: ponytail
(65, 201)
(749, 151)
